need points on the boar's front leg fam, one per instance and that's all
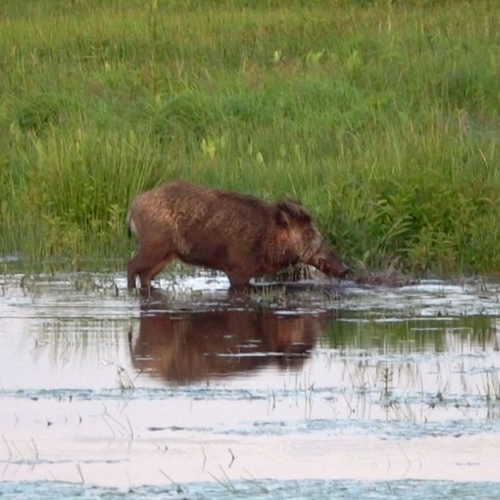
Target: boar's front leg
(238, 280)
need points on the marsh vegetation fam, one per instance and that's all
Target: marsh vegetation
(381, 117)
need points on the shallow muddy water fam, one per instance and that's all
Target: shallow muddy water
(316, 389)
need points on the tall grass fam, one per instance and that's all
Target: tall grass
(383, 118)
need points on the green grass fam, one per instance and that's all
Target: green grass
(383, 118)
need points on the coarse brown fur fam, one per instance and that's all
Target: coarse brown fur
(241, 235)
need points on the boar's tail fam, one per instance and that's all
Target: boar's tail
(129, 226)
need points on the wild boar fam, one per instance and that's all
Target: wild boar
(240, 235)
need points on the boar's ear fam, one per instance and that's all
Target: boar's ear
(288, 210)
(282, 217)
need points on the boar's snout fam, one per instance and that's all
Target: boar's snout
(343, 274)
(330, 264)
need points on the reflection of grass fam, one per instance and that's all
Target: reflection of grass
(393, 331)
(16, 456)
(386, 382)
(491, 388)
(490, 392)
(403, 412)
(116, 427)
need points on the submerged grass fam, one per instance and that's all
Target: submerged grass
(381, 117)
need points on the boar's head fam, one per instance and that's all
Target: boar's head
(303, 241)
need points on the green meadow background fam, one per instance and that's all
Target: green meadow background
(381, 117)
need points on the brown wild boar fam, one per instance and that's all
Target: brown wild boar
(240, 235)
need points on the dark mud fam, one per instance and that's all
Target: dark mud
(299, 391)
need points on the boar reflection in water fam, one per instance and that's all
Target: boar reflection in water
(188, 347)
(240, 235)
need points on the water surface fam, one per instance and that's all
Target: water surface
(190, 391)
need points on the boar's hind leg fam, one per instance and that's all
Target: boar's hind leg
(147, 265)
(149, 274)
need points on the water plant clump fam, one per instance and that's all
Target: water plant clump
(381, 118)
